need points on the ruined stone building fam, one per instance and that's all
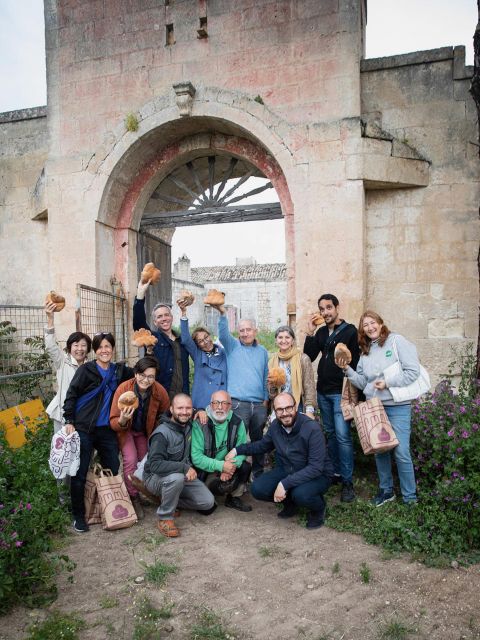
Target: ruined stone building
(251, 291)
(153, 105)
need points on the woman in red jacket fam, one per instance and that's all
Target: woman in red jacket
(134, 426)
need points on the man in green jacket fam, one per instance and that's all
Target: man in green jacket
(211, 443)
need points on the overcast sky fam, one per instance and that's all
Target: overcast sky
(394, 26)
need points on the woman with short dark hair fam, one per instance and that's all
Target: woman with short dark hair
(65, 363)
(134, 426)
(87, 410)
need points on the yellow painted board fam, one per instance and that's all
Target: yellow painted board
(16, 420)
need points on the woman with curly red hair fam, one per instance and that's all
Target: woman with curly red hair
(380, 348)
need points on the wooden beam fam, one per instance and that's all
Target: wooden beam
(191, 217)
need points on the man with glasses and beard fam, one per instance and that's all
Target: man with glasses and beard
(210, 444)
(303, 471)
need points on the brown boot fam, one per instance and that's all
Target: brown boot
(137, 505)
(168, 528)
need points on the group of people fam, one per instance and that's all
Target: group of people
(184, 451)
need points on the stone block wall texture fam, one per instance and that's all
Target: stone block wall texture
(422, 243)
(372, 159)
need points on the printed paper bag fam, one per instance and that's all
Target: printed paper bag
(374, 429)
(349, 399)
(116, 506)
(93, 513)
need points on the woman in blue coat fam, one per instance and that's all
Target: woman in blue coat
(209, 359)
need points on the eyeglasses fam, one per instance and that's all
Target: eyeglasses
(203, 340)
(142, 376)
(281, 410)
(220, 403)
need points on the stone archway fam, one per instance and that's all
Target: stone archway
(146, 177)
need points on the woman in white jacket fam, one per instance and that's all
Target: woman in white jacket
(65, 363)
(380, 348)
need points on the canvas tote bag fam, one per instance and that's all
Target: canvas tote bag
(374, 429)
(116, 507)
(411, 391)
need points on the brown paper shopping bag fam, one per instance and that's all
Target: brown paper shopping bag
(93, 513)
(116, 506)
(374, 429)
(349, 399)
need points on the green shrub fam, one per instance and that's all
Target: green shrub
(29, 514)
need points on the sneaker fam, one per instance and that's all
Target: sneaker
(336, 479)
(288, 511)
(137, 505)
(237, 503)
(80, 526)
(315, 519)
(382, 497)
(348, 494)
(168, 528)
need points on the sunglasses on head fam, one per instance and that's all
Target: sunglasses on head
(104, 335)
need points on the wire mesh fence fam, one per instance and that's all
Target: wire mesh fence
(25, 370)
(100, 311)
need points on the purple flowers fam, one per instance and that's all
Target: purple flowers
(465, 434)
(451, 433)
(18, 543)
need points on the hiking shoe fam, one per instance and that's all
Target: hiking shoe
(80, 526)
(168, 528)
(137, 505)
(382, 497)
(288, 511)
(315, 519)
(237, 503)
(348, 494)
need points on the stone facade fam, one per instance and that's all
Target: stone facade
(374, 162)
(251, 290)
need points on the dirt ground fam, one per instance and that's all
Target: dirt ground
(265, 577)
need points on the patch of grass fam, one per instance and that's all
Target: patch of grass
(365, 573)
(210, 627)
(267, 552)
(394, 630)
(108, 602)
(57, 625)
(158, 572)
(147, 620)
(336, 568)
(131, 122)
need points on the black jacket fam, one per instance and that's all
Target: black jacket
(86, 379)
(302, 453)
(329, 376)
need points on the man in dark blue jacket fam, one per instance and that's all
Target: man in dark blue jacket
(303, 470)
(172, 356)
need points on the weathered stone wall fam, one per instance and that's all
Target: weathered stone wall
(24, 245)
(372, 164)
(422, 243)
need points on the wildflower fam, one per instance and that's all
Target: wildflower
(475, 427)
(451, 433)
(459, 450)
(28, 506)
(1, 506)
(18, 543)
(14, 534)
(455, 474)
(462, 409)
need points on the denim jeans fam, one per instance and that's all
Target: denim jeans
(339, 436)
(399, 416)
(254, 416)
(308, 495)
(104, 440)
